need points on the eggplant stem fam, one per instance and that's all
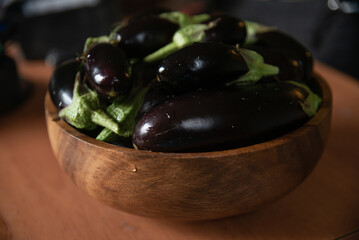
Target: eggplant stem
(183, 19)
(125, 111)
(106, 135)
(183, 37)
(102, 119)
(200, 18)
(161, 53)
(84, 112)
(256, 68)
(253, 29)
(312, 102)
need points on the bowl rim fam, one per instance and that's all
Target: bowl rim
(326, 104)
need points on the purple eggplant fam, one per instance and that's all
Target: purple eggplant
(289, 70)
(145, 35)
(202, 64)
(227, 29)
(157, 94)
(288, 47)
(62, 82)
(108, 70)
(213, 64)
(211, 120)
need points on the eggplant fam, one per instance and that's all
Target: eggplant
(289, 70)
(288, 47)
(157, 94)
(213, 64)
(143, 73)
(227, 29)
(145, 35)
(211, 119)
(108, 70)
(62, 82)
(202, 64)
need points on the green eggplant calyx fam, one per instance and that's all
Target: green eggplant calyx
(200, 18)
(256, 68)
(92, 41)
(106, 135)
(183, 37)
(183, 19)
(312, 102)
(253, 29)
(189, 34)
(85, 110)
(126, 110)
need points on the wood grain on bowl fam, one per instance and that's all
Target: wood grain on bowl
(190, 186)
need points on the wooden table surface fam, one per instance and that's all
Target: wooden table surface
(38, 201)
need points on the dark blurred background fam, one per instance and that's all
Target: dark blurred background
(56, 29)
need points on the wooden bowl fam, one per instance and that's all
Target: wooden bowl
(190, 186)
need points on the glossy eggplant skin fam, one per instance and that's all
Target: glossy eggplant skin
(288, 69)
(145, 35)
(202, 65)
(288, 47)
(62, 82)
(144, 75)
(227, 29)
(107, 70)
(157, 94)
(212, 120)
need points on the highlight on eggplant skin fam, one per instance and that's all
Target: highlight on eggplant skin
(202, 64)
(62, 82)
(107, 69)
(212, 120)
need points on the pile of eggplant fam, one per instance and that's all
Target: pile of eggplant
(170, 82)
